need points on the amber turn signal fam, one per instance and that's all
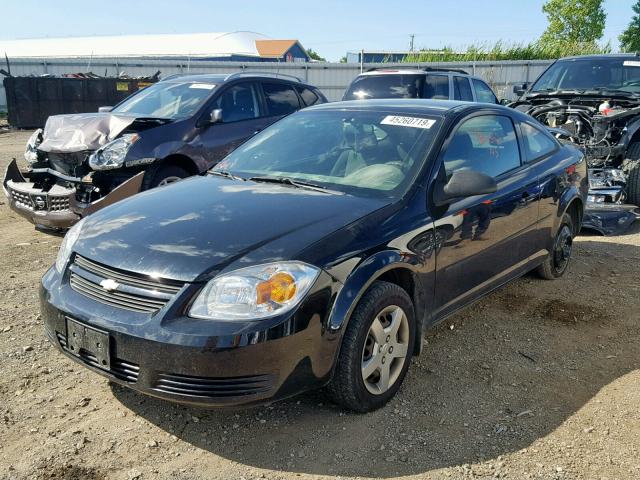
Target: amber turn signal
(280, 288)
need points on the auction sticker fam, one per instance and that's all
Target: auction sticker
(631, 63)
(204, 86)
(415, 122)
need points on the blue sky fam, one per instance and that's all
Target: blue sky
(328, 26)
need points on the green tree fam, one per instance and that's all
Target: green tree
(315, 56)
(630, 38)
(573, 21)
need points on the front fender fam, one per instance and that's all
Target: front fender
(632, 129)
(364, 274)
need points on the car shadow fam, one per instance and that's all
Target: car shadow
(492, 380)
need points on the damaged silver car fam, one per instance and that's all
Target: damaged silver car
(178, 127)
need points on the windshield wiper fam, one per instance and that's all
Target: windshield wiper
(613, 91)
(294, 183)
(225, 174)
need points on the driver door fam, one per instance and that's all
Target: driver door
(481, 234)
(242, 117)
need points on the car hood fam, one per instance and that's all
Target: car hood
(81, 132)
(195, 228)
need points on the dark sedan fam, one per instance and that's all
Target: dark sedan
(316, 253)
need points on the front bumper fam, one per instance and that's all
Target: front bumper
(609, 218)
(57, 208)
(176, 358)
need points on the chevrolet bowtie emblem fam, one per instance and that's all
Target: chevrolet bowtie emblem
(109, 285)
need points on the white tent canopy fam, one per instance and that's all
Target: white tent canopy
(162, 45)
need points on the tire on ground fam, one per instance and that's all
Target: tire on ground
(551, 268)
(347, 386)
(159, 173)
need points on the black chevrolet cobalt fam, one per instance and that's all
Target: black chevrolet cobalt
(316, 254)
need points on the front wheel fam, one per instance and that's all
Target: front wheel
(633, 183)
(558, 260)
(376, 349)
(163, 175)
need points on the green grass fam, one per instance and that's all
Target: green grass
(503, 51)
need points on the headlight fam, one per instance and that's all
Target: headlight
(31, 150)
(112, 154)
(255, 292)
(66, 248)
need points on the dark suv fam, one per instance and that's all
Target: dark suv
(178, 127)
(432, 83)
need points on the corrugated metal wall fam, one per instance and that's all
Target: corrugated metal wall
(331, 78)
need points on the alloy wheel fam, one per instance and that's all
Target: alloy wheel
(562, 249)
(385, 349)
(168, 180)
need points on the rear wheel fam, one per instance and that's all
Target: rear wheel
(558, 260)
(376, 349)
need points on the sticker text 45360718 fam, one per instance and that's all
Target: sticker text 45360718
(414, 122)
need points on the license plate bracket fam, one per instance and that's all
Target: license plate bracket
(84, 341)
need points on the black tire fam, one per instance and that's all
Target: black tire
(633, 151)
(633, 182)
(159, 174)
(347, 387)
(558, 260)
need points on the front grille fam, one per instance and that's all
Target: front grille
(21, 199)
(126, 278)
(213, 387)
(149, 296)
(120, 369)
(58, 204)
(127, 301)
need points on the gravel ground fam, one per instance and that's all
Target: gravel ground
(538, 380)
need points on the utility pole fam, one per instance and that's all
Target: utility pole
(412, 36)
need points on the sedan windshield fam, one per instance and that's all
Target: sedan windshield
(358, 152)
(586, 74)
(167, 100)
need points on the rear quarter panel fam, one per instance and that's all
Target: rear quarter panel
(563, 180)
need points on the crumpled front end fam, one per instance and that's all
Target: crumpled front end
(52, 200)
(60, 186)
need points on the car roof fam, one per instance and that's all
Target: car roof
(400, 105)
(216, 78)
(414, 71)
(600, 57)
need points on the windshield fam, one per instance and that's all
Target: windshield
(385, 86)
(167, 100)
(358, 152)
(584, 74)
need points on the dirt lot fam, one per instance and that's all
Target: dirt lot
(539, 380)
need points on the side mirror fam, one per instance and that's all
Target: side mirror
(504, 101)
(216, 116)
(520, 88)
(465, 183)
(105, 109)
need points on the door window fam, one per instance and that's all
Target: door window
(308, 96)
(281, 98)
(536, 142)
(483, 92)
(436, 87)
(487, 144)
(462, 89)
(238, 102)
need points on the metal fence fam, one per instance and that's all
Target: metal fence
(331, 78)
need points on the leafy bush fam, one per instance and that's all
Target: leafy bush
(503, 51)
